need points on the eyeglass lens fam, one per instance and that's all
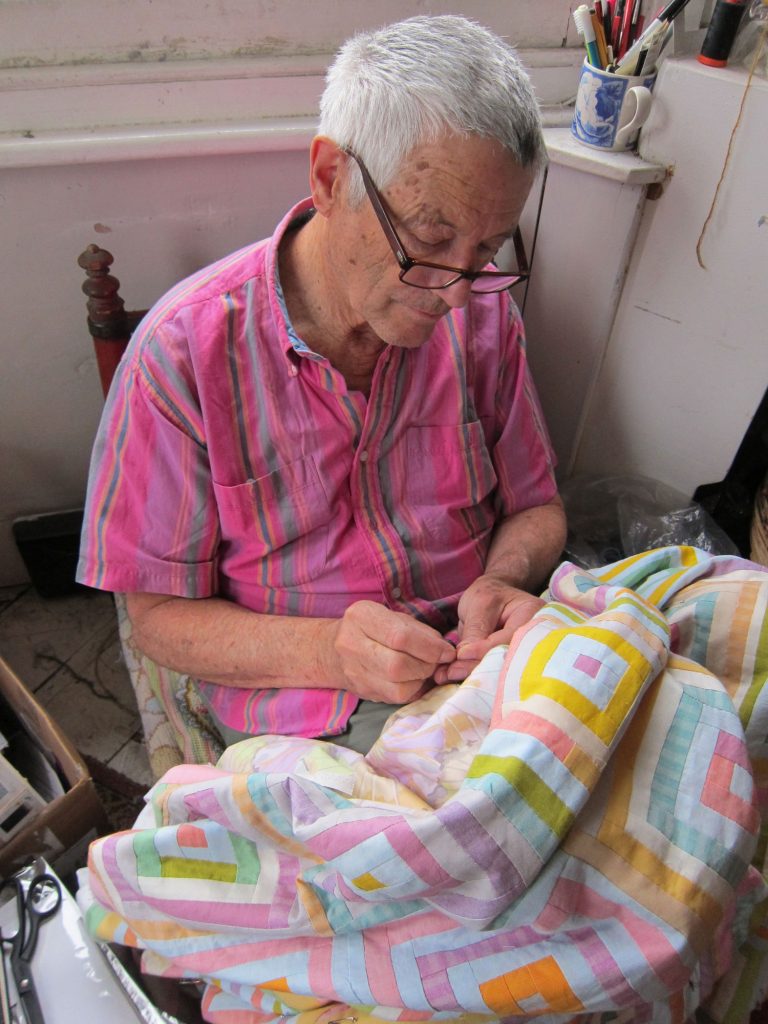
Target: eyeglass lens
(430, 277)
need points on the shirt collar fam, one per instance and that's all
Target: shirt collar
(296, 217)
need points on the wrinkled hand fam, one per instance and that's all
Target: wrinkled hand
(490, 611)
(383, 655)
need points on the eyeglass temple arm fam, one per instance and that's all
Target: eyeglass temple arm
(387, 226)
(520, 254)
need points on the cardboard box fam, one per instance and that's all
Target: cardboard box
(74, 815)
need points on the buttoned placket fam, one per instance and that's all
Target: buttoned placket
(383, 546)
(369, 508)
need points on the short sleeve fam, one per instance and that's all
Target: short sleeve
(150, 518)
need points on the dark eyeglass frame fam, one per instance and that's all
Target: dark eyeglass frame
(407, 263)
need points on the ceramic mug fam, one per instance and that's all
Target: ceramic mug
(611, 109)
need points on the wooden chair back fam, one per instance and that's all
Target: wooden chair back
(110, 324)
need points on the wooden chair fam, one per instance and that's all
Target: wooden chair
(177, 726)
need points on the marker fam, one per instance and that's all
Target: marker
(584, 27)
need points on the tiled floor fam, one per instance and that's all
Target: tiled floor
(66, 650)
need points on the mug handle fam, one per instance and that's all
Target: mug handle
(643, 99)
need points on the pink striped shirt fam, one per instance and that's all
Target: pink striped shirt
(232, 460)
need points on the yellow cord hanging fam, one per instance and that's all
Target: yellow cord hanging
(755, 61)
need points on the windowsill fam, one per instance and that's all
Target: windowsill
(154, 142)
(627, 168)
(268, 135)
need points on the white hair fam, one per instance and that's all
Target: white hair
(404, 85)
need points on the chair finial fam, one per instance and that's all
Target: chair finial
(106, 309)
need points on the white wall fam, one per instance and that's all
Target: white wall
(687, 363)
(592, 210)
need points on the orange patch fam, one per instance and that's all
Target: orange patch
(191, 835)
(543, 979)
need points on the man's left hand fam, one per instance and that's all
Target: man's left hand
(490, 611)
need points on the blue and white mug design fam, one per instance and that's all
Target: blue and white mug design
(610, 109)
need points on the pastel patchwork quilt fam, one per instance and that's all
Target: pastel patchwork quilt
(575, 833)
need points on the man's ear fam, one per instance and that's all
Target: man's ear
(327, 170)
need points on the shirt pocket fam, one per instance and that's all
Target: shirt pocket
(274, 529)
(450, 481)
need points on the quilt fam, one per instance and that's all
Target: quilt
(576, 833)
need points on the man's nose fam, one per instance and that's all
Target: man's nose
(457, 294)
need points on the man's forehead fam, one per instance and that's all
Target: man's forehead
(499, 183)
(465, 159)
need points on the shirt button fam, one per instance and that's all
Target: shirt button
(397, 593)
(293, 370)
(363, 456)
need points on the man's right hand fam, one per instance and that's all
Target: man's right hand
(382, 655)
(374, 652)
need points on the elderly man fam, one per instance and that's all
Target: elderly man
(322, 477)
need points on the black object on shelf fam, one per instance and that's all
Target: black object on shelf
(49, 544)
(721, 33)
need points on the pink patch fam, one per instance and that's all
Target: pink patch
(589, 666)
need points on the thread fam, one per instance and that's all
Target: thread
(721, 33)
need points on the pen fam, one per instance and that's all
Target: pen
(635, 21)
(618, 11)
(607, 23)
(584, 27)
(626, 28)
(626, 63)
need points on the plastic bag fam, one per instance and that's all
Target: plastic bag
(612, 517)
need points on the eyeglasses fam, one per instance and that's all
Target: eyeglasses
(423, 274)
